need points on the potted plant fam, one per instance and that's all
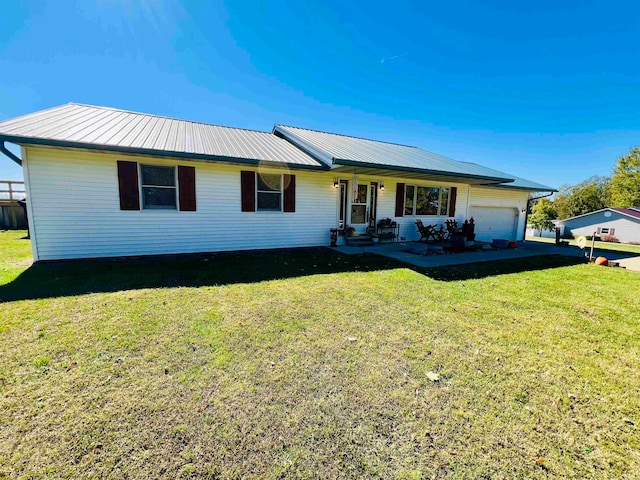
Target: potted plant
(349, 231)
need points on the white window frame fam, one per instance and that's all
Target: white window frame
(142, 186)
(272, 192)
(604, 230)
(415, 199)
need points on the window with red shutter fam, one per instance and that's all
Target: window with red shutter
(187, 188)
(248, 190)
(128, 185)
(399, 199)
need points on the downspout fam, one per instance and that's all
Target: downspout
(526, 215)
(9, 154)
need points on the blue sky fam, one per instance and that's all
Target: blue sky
(548, 91)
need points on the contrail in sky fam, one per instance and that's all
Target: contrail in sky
(395, 56)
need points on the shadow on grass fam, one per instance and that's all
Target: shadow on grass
(501, 267)
(69, 278)
(610, 252)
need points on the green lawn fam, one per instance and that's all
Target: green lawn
(616, 247)
(314, 365)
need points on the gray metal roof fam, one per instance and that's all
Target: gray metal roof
(524, 184)
(85, 126)
(343, 150)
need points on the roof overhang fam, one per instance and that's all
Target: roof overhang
(362, 168)
(156, 153)
(526, 189)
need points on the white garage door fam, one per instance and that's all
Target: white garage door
(495, 222)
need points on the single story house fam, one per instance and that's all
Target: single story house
(621, 223)
(103, 182)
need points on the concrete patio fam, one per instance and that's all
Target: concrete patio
(524, 249)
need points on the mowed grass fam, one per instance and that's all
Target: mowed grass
(314, 365)
(614, 247)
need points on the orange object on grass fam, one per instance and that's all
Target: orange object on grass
(602, 261)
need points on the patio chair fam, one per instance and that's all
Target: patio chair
(426, 233)
(452, 227)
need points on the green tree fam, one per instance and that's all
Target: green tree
(625, 182)
(587, 196)
(562, 203)
(543, 212)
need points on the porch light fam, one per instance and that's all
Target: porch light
(382, 185)
(336, 182)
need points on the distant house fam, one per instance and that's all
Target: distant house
(621, 223)
(532, 232)
(103, 182)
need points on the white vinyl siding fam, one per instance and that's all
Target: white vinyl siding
(76, 211)
(626, 229)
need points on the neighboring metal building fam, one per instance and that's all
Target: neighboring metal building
(621, 223)
(103, 182)
(12, 215)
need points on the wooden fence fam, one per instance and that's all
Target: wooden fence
(11, 213)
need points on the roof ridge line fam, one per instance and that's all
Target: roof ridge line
(166, 117)
(348, 136)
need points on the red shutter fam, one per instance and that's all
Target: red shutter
(128, 185)
(598, 231)
(187, 188)
(289, 201)
(248, 190)
(612, 231)
(453, 193)
(399, 199)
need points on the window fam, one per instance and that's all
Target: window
(359, 205)
(604, 231)
(269, 192)
(420, 200)
(158, 187)
(444, 201)
(427, 200)
(409, 194)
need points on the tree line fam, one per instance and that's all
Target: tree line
(621, 189)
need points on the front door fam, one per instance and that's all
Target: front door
(360, 205)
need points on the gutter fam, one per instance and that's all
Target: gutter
(526, 215)
(9, 154)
